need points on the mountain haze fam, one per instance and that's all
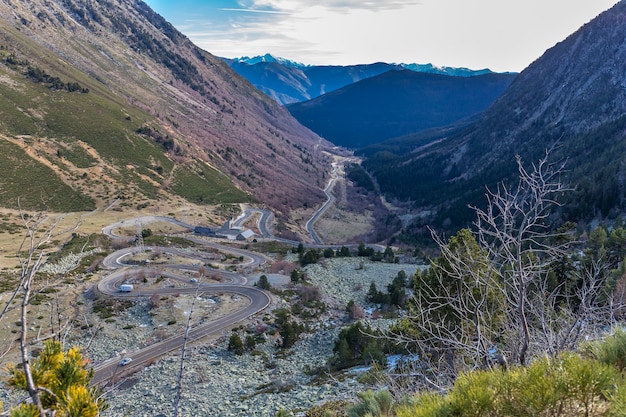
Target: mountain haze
(290, 82)
(397, 103)
(571, 100)
(105, 99)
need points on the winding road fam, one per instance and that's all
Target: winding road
(258, 300)
(330, 198)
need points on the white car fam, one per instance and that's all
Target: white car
(126, 361)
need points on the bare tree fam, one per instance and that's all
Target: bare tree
(515, 231)
(179, 381)
(40, 231)
(455, 314)
(492, 298)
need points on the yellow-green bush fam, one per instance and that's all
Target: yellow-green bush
(618, 402)
(63, 380)
(610, 350)
(428, 404)
(566, 386)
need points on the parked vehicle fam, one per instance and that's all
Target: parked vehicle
(126, 287)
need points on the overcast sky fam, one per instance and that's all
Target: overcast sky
(502, 35)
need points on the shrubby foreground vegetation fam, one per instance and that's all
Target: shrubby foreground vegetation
(588, 383)
(498, 325)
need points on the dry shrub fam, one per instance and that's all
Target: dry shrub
(355, 312)
(261, 328)
(282, 266)
(154, 301)
(118, 244)
(309, 293)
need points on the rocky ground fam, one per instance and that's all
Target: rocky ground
(219, 383)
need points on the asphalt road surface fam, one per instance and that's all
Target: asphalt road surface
(121, 271)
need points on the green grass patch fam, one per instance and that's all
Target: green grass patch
(203, 184)
(77, 156)
(160, 240)
(103, 120)
(80, 243)
(36, 186)
(270, 247)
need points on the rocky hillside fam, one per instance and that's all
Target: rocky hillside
(105, 99)
(571, 100)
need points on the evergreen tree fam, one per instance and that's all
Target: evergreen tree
(250, 342)
(388, 255)
(235, 344)
(310, 257)
(343, 355)
(295, 276)
(63, 380)
(364, 250)
(263, 283)
(344, 252)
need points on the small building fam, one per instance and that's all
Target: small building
(227, 231)
(245, 234)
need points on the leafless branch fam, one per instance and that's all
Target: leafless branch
(490, 299)
(40, 230)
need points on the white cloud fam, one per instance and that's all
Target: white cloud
(504, 35)
(252, 11)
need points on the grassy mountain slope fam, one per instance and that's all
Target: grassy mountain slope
(571, 100)
(397, 103)
(109, 101)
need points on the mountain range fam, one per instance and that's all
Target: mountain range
(105, 100)
(290, 82)
(571, 101)
(397, 103)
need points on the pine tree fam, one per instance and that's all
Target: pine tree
(63, 380)
(235, 344)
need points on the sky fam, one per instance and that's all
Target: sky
(502, 35)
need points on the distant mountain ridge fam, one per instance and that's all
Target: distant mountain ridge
(571, 100)
(397, 103)
(289, 82)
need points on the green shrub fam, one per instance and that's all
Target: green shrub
(372, 404)
(611, 350)
(474, 393)
(617, 401)
(428, 404)
(535, 389)
(586, 382)
(570, 385)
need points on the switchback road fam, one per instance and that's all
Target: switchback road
(121, 271)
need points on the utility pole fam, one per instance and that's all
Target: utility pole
(139, 238)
